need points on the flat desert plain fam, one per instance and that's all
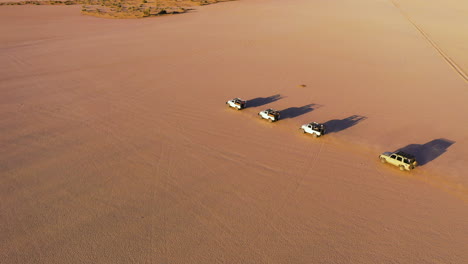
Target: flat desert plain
(116, 145)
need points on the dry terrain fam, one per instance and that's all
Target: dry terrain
(116, 145)
(123, 8)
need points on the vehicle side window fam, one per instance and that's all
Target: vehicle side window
(399, 159)
(393, 156)
(406, 161)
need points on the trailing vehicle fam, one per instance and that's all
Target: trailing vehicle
(270, 114)
(314, 128)
(237, 103)
(400, 159)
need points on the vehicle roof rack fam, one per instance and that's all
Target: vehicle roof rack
(404, 154)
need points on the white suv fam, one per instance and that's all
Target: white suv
(237, 103)
(270, 114)
(314, 129)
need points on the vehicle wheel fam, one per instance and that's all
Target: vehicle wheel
(315, 135)
(303, 131)
(270, 120)
(402, 168)
(238, 109)
(383, 160)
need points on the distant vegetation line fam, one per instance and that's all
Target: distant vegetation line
(125, 8)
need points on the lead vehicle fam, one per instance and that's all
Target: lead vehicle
(237, 103)
(400, 159)
(314, 128)
(270, 114)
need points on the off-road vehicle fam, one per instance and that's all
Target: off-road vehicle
(270, 114)
(400, 159)
(237, 103)
(314, 128)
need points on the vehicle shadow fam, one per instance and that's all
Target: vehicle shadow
(259, 101)
(292, 112)
(337, 125)
(426, 153)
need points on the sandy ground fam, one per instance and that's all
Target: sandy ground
(116, 145)
(15, 1)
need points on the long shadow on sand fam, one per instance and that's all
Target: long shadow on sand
(292, 112)
(337, 125)
(426, 153)
(259, 101)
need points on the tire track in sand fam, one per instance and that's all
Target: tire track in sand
(449, 60)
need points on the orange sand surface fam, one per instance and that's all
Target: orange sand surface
(116, 145)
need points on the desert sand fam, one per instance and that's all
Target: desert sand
(116, 145)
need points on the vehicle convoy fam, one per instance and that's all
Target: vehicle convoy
(400, 159)
(314, 128)
(237, 103)
(270, 114)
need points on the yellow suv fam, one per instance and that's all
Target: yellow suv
(400, 159)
